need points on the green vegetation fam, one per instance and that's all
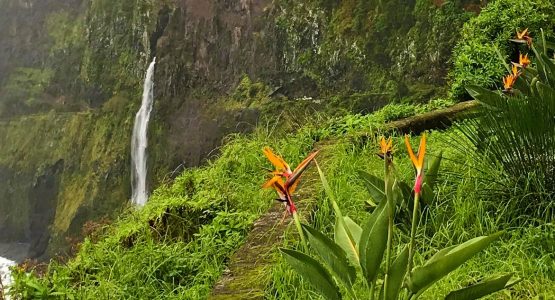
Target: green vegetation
(23, 90)
(179, 244)
(87, 150)
(393, 49)
(466, 211)
(516, 132)
(475, 57)
(371, 245)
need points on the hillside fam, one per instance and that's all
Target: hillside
(357, 81)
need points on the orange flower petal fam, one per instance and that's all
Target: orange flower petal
(277, 183)
(523, 60)
(418, 162)
(521, 35)
(300, 169)
(386, 146)
(277, 161)
(515, 70)
(293, 186)
(409, 149)
(422, 151)
(271, 182)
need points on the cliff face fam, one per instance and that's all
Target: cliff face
(71, 73)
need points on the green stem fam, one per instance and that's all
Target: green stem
(372, 287)
(391, 208)
(413, 231)
(388, 256)
(300, 229)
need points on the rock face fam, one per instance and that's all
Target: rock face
(71, 73)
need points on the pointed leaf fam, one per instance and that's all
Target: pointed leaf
(346, 241)
(397, 274)
(312, 271)
(354, 228)
(433, 170)
(484, 96)
(373, 242)
(374, 185)
(441, 265)
(441, 253)
(334, 257)
(343, 236)
(483, 288)
(549, 68)
(405, 189)
(428, 194)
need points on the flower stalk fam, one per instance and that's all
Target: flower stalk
(418, 162)
(285, 189)
(300, 229)
(386, 152)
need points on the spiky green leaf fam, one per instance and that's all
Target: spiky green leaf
(483, 288)
(373, 242)
(354, 228)
(433, 170)
(343, 236)
(313, 272)
(440, 265)
(345, 239)
(397, 274)
(334, 257)
(374, 186)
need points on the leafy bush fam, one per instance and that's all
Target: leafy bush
(516, 131)
(475, 56)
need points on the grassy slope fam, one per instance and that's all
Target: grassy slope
(177, 246)
(460, 213)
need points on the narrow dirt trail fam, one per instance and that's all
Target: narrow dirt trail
(249, 269)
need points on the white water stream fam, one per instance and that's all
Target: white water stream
(16, 252)
(5, 265)
(139, 141)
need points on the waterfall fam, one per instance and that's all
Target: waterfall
(139, 141)
(5, 277)
(10, 255)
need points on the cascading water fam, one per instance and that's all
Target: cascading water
(139, 141)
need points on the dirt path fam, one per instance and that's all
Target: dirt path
(249, 269)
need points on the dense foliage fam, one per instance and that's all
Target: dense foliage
(516, 131)
(180, 243)
(394, 49)
(476, 58)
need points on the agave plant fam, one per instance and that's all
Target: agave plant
(366, 251)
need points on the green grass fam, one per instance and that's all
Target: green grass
(178, 245)
(462, 211)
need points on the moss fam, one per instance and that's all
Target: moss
(365, 45)
(23, 91)
(94, 181)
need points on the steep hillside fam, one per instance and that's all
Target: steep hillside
(77, 67)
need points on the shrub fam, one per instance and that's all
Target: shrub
(475, 58)
(516, 131)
